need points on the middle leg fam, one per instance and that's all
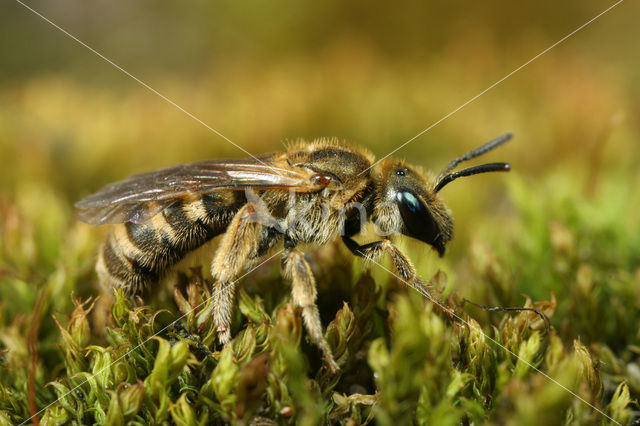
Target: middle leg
(304, 293)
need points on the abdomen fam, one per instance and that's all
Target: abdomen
(136, 255)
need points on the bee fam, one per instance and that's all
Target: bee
(311, 194)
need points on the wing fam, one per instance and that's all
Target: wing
(142, 196)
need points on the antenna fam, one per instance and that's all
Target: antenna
(483, 168)
(473, 154)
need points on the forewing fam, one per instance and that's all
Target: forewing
(142, 196)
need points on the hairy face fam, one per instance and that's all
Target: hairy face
(407, 203)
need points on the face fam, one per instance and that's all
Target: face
(407, 203)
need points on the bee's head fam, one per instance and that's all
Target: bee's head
(408, 200)
(408, 204)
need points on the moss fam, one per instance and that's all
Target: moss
(563, 237)
(402, 360)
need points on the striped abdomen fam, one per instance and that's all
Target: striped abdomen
(136, 255)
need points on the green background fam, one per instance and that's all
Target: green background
(563, 222)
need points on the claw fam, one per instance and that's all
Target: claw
(224, 335)
(333, 365)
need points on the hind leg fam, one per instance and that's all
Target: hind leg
(238, 248)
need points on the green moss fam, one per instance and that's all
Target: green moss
(562, 237)
(402, 360)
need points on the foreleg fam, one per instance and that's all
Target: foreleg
(401, 263)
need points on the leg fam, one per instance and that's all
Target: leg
(401, 263)
(303, 293)
(237, 248)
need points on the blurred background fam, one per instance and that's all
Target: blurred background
(376, 74)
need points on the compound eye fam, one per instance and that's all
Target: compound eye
(418, 221)
(410, 202)
(321, 179)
